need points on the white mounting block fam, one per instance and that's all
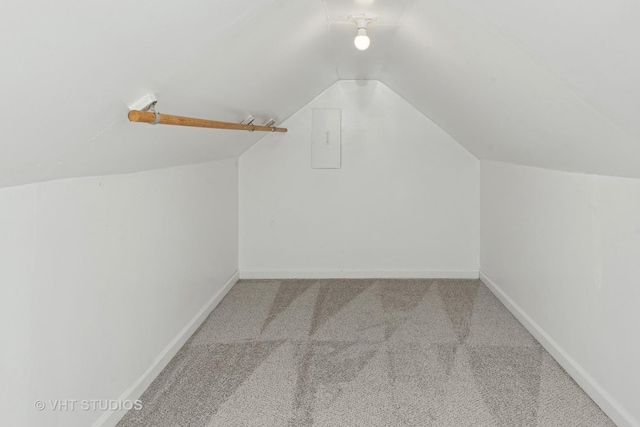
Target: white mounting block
(143, 103)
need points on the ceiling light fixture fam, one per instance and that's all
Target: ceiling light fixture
(362, 20)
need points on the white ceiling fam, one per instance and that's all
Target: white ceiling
(501, 101)
(551, 84)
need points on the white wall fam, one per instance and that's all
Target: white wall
(565, 249)
(404, 203)
(99, 275)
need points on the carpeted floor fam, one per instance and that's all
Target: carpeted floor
(363, 353)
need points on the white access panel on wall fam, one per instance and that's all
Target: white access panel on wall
(326, 145)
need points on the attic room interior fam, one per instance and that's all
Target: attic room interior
(320, 213)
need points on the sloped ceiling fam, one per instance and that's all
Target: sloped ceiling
(532, 82)
(527, 82)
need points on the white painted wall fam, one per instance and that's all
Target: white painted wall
(404, 203)
(99, 275)
(565, 249)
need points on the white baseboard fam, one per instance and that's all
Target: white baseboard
(357, 274)
(110, 419)
(607, 403)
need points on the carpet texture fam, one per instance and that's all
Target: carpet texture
(363, 353)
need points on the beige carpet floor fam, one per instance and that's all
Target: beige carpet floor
(363, 353)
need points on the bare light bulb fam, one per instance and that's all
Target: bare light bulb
(362, 40)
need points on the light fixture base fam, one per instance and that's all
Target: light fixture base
(362, 19)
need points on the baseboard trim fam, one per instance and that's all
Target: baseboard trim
(358, 274)
(110, 419)
(607, 403)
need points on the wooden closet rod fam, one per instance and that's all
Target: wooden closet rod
(167, 119)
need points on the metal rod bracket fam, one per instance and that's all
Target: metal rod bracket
(152, 109)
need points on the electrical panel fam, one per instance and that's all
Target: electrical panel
(326, 139)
